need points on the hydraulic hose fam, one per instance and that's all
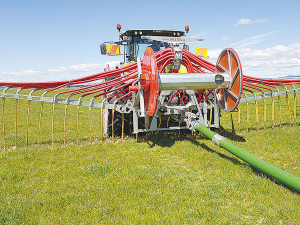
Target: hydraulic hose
(267, 168)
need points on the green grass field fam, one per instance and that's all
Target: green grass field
(167, 180)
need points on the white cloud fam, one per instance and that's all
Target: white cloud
(273, 53)
(252, 40)
(248, 21)
(56, 74)
(275, 64)
(276, 61)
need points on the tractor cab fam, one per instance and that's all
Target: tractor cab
(135, 42)
(137, 46)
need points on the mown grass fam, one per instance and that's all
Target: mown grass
(169, 179)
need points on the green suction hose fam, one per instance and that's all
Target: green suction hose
(282, 176)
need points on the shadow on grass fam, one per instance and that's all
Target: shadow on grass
(264, 175)
(228, 158)
(168, 140)
(229, 135)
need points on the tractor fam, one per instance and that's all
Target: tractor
(174, 102)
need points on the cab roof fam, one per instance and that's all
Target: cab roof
(143, 32)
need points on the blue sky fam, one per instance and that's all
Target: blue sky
(58, 40)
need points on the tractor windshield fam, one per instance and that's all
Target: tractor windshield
(139, 45)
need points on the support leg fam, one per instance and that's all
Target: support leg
(53, 111)
(3, 122)
(232, 124)
(289, 109)
(113, 124)
(90, 111)
(40, 123)
(280, 114)
(65, 118)
(273, 114)
(239, 119)
(257, 119)
(77, 124)
(27, 124)
(122, 126)
(265, 115)
(247, 117)
(101, 124)
(16, 140)
(295, 109)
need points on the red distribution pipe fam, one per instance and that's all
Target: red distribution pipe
(53, 84)
(118, 81)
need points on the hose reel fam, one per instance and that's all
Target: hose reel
(227, 80)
